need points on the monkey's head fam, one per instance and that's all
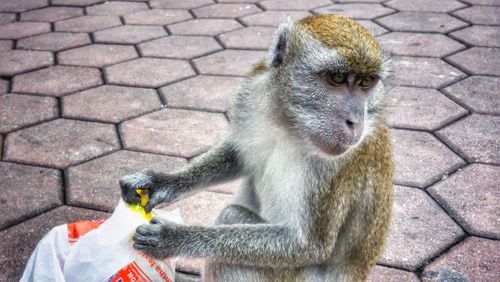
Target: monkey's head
(328, 74)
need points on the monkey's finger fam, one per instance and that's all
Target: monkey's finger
(154, 200)
(157, 220)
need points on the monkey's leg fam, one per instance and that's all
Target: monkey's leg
(236, 214)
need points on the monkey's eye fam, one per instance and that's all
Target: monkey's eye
(337, 78)
(367, 81)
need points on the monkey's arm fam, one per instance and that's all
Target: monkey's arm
(217, 165)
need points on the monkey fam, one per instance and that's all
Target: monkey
(308, 137)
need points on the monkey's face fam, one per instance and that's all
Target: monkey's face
(330, 93)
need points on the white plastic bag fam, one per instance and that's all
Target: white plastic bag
(102, 254)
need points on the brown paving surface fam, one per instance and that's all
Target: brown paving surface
(91, 90)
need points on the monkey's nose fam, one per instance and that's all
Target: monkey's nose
(353, 129)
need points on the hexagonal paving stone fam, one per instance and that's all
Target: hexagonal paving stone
(476, 137)
(18, 30)
(424, 72)
(293, 5)
(148, 72)
(13, 111)
(486, 36)
(110, 103)
(51, 14)
(175, 4)
(477, 92)
(425, 5)
(28, 191)
(230, 10)
(257, 37)
(273, 18)
(4, 86)
(419, 230)
(471, 197)
(7, 18)
(229, 62)
(6, 45)
(117, 8)
(179, 47)
(204, 26)
(478, 60)
(57, 80)
(474, 259)
(422, 21)
(483, 2)
(54, 41)
(22, 239)
(373, 28)
(60, 143)
(17, 61)
(419, 44)
(129, 34)
(157, 17)
(427, 161)
(87, 23)
(355, 10)
(76, 2)
(480, 15)
(21, 5)
(386, 274)
(212, 93)
(420, 108)
(97, 55)
(103, 192)
(175, 132)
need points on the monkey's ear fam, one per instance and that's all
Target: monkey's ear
(281, 43)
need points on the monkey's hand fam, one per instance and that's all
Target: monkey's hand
(158, 239)
(160, 187)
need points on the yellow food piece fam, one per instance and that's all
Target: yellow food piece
(139, 208)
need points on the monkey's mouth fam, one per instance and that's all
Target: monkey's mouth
(329, 148)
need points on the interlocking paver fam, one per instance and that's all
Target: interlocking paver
(486, 36)
(13, 109)
(421, 22)
(18, 30)
(229, 10)
(76, 2)
(6, 45)
(27, 191)
(256, 37)
(373, 28)
(293, 5)
(475, 259)
(97, 55)
(476, 60)
(386, 274)
(204, 26)
(57, 80)
(480, 93)
(174, 132)
(109, 103)
(53, 41)
(419, 230)
(419, 44)
(22, 239)
(425, 5)
(154, 72)
(87, 23)
(60, 143)
(7, 18)
(157, 17)
(476, 137)
(420, 108)
(129, 34)
(17, 61)
(21, 5)
(179, 47)
(471, 197)
(51, 14)
(424, 72)
(175, 4)
(212, 93)
(229, 62)
(356, 10)
(427, 161)
(103, 192)
(480, 15)
(273, 18)
(117, 8)
(4, 86)
(483, 2)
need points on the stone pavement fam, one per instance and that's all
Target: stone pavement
(93, 90)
